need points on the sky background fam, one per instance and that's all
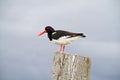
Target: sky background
(25, 56)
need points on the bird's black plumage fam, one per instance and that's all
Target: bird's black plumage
(56, 34)
(60, 33)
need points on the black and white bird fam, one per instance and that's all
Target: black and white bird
(61, 37)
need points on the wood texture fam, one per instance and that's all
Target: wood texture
(70, 67)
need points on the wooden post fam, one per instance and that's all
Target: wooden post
(70, 67)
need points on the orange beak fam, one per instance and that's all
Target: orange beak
(42, 33)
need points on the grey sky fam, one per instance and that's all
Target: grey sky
(24, 56)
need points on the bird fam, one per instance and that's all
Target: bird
(61, 37)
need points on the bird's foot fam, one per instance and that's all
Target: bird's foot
(61, 51)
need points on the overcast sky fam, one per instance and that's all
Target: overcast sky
(24, 56)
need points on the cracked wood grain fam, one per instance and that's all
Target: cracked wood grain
(70, 67)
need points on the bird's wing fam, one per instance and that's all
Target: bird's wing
(62, 34)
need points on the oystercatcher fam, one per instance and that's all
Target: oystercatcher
(61, 37)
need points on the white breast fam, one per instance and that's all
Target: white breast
(65, 40)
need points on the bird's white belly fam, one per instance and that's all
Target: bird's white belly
(64, 40)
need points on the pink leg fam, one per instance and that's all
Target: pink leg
(63, 48)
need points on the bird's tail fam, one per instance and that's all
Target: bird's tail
(81, 34)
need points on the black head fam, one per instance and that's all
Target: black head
(49, 29)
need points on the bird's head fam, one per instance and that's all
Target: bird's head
(48, 29)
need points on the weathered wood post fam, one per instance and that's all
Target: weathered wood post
(70, 67)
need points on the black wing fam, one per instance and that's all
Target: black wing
(59, 33)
